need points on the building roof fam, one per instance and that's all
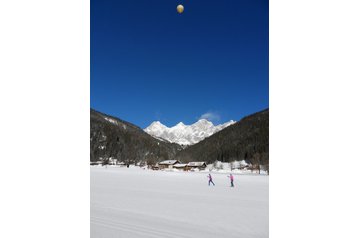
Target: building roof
(169, 162)
(179, 165)
(196, 164)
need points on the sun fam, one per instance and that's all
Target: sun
(180, 8)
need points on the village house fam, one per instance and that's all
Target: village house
(122, 164)
(196, 165)
(153, 167)
(168, 164)
(180, 166)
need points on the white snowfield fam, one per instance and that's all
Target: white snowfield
(132, 202)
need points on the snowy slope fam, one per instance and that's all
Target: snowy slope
(135, 203)
(185, 134)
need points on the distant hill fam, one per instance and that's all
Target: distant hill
(247, 140)
(113, 137)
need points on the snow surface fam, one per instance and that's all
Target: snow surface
(115, 122)
(185, 134)
(111, 120)
(133, 202)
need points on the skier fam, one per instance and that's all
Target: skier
(210, 180)
(231, 180)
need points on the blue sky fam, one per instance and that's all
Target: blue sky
(150, 63)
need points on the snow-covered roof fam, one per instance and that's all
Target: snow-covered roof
(168, 162)
(179, 165)
(196, 164)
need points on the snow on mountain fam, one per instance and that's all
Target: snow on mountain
(185, 134)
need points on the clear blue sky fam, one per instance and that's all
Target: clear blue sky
(150, 63)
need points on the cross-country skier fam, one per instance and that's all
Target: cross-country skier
(210, 180)
(231, 180)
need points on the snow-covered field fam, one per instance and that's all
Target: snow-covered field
(132, 202)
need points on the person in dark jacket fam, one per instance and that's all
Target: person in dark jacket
(211, 180)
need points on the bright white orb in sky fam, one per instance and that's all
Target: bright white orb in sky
(180, 8)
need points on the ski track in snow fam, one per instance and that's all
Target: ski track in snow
(133, 202)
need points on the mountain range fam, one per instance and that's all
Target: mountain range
(247, 139)
(185, 134)
(116, 138)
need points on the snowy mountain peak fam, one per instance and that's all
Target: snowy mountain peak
(203, 121)
(157, 123)
(156, 126)
(203, 124)
(185, 134)
(180, 124)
